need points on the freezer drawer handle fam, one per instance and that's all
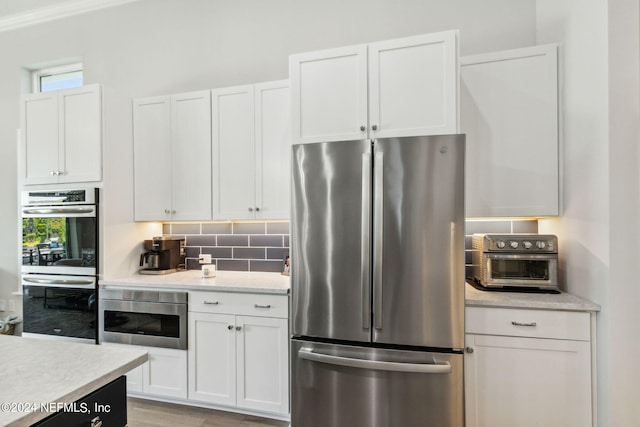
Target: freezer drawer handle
(424, 368)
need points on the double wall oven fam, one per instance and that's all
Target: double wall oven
(60, 263)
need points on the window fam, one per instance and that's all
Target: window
(54, 78)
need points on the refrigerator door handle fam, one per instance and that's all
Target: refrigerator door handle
(365, 233)
(423, 368)
(378, 225)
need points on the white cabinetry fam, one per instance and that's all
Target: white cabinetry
(251, 151)
(238, 350)
(393, 88)
(172, 157)
(527, 368)
(509, 112)
(62, 136)
(164, 374)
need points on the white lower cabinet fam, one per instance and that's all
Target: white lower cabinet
(527, 368)
(164, 374)
(238, 350)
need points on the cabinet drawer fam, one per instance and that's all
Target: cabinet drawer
(570, 325)
(239, 303)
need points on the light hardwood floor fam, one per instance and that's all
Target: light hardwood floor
(150, 413)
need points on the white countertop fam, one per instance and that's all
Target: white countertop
(225, 281)
(46, 371)
(563, 301)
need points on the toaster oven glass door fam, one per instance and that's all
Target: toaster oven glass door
(535, 270)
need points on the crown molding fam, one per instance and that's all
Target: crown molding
(59, 11)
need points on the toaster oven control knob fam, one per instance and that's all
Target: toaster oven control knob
(540, 244)
(513, 244)
(501, 244)
(527, 244)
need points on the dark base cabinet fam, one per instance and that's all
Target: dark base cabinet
(106, 406)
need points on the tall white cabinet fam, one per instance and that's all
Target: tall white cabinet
(251, 151)
(172, 157)
(402, 87)
(509, 112)
(62, 136)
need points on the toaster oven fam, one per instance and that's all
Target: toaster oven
(515, 261)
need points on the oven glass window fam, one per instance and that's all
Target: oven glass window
(60, 241)
(69, 312)
(520, 269)
(126, 322)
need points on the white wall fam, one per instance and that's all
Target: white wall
(599, 227)
(154, 47)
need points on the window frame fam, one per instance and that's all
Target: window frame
(38, 74)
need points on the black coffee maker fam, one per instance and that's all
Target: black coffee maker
(162, 255)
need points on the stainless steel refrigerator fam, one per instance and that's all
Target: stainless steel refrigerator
(377, 296)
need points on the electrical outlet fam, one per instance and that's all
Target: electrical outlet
(204, 259)
(3, 305)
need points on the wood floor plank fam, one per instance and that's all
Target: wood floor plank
(151, 413)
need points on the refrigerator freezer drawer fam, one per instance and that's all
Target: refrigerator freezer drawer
(341, 385)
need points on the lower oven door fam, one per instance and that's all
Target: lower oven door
(152, 324)
(60, 306)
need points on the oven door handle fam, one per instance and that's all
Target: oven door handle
(59, 210)
(60, 282)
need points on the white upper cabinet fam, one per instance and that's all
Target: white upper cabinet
(509, 112)
(402, 87)
(273, 149)
(152, 154)
(62, 136)
(172, 157)
(191, 156)
(251, 151)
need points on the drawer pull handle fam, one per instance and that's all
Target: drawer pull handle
(212, 302)
(96, 422)
(514, 323)
(262, 306)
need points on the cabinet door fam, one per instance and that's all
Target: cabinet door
(263, 364)
(527, 382)
(80, 141)
(191, 156)
(165, 374)
(233, 153)
(509, 112)
(329, 95)
(273, 150)
(212, 358)
(152, 158)
(413, 86)
(39, 148)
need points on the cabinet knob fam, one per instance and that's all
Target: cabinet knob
(362, 128)
(53, 173)
(173, 211)
(257, 209)
(374, 127)
(468, 349)
(167, 211)
(230, 327)
(250, 209)
(238, 328)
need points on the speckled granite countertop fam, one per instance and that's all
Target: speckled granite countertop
(38, 371)
(562, 301)
(225, 281)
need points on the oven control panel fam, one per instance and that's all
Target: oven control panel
(537, 243)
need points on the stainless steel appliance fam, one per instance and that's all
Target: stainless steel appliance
(60, 231)
(141, 317)
(515, 261)
(162, 255)
(60, 263)
(377, 314)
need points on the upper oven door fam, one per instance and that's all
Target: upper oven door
(59, 239)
